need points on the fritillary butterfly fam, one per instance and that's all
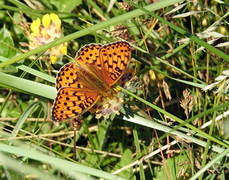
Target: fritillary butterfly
(81, 85)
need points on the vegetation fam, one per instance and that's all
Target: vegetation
(173, 123)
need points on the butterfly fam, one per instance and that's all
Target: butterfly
(80, 85)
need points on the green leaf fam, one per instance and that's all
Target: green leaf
(98, 143)
(6, 44)
(6, 49)
(125, 160)
(175, 165)
(67, 6)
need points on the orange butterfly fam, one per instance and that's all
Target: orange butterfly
(81, 85)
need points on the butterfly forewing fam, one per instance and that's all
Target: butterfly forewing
(88, 58)
(114, 59)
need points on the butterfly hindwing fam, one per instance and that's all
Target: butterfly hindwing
(75, 94)
(71, 102)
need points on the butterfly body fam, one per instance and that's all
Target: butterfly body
(81, 85)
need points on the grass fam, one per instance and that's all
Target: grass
(169, 127)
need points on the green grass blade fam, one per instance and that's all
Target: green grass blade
(69, 168)
(31, 71)
(28, 86)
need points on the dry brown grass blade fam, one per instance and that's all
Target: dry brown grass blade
(187, 103)
(166, 90)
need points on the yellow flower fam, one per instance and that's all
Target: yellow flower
(58, 24)
(44, 33)
(35, 27)
(54, 17)
(53, 58)
(63, 50)
(46, 20)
